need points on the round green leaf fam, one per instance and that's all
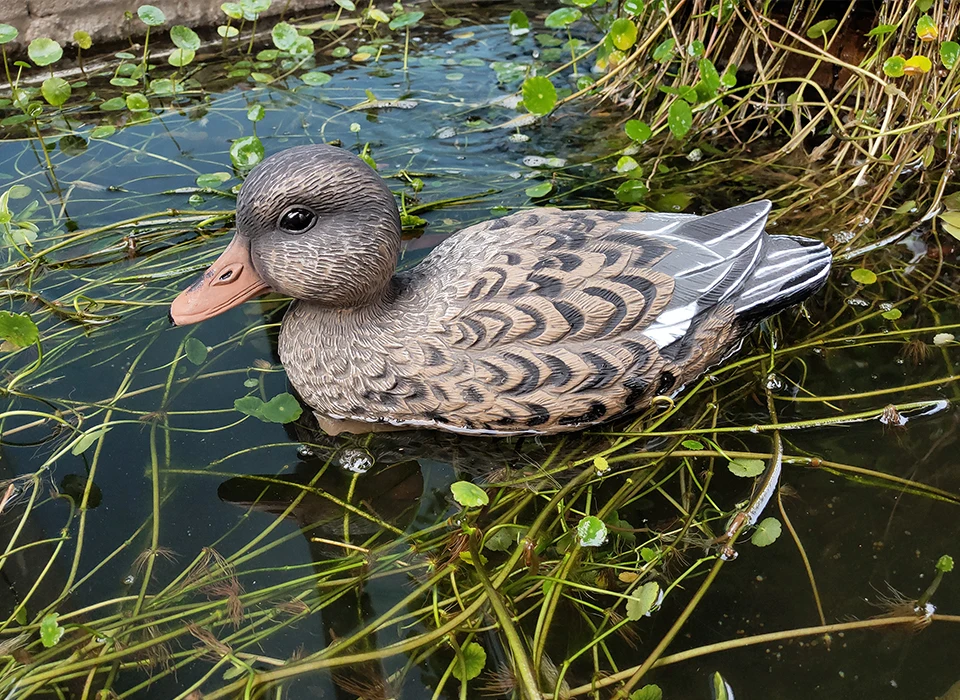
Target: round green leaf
(591, 531)
(638, 130)
(474, 659)
(102, 132)
(469, 495)
(767, 532)
(162, 86)
(742, 466)
(643, 600)
(255, 113)
(692, 444)
(405, 20)
(246, 152)
(50, 630)
(540, 190)
(711, 78)
(863, 276)
(650, 692)
(151, 16)
(284, 36)
(633, 7)
(927, 28)
(631, 192)
(137, 102)
(232, 10)
(821, 28)
(227, 31)
(893, 66)
(124, 82)
(18, 329)
(346, 5)
(558, 19)
(519, 23)
(623, 33)
(212, 180)
(44, 51)
(663, 50)
(55, 90)
(82, 40)
(625, 164)
(19, 192)
(249, 405)
(892, 314)
(949, 52)
(340, 52)
(195, 351)
(7, 33)
(316, 78)
(539, 95)
(679, 118)
(917, 65)
(282, 408)
(184, 38)
(114, 104)
(303, 46)
(181, 57)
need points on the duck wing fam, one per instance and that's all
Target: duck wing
(551, 320)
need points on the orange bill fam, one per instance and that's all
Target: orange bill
(229, 282)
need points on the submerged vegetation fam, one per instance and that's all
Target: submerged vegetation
(161, 535)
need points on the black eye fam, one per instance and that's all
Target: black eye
(297, 220)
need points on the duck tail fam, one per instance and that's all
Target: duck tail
(789, 269)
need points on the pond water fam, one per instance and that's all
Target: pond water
(315, 552)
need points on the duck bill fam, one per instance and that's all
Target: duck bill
(229, 282)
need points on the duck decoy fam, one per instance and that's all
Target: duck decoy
(537, 322)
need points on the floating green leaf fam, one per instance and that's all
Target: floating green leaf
(282, 408)
(284, 36)
(711, 78)
(821, 28)
(743, 466)
(55, 90)
(184, 37)
(137, 102)
(162, 86)
(227, 31)
(680, 118)
(631, 192)
(151, 16)
(643, 600)
(540, 190)
(114, 104)
(195, 351)
(625, 164)
(474, 660)
(18, 329)
(346, 5)
(767, 532)
(638, 130)
(44, 51)
(50, 630)
(469, 495)
(246, 152)
(647, 692)
(8, 33)
(623, 33)
(181, 57)
(407, 19)
(692, 444)
(862, 275)
(633, 7)
(213, 180)
(316, 78)
(124, 82)
(518, 23)
(558, 19)
(539, 95)
(591, 531)
(255, 113)
(892, 314)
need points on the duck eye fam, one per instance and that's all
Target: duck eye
(297, 220)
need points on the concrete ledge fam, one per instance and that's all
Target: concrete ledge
(104, 20)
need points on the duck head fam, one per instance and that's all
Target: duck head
(313, 222)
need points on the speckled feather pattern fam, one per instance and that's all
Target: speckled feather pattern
(538, 322)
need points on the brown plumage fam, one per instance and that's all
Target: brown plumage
(538, 322)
